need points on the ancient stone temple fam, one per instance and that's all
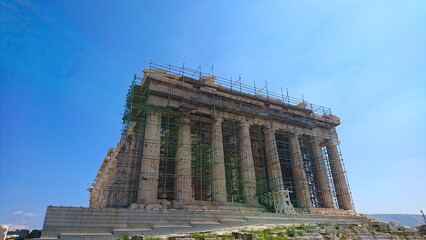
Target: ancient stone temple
(196, 148)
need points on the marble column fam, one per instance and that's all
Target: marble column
(322, 185)
(183, 162)
(148, 180)
(272, 160)
(130, 175)
(112, 176)
(299, 174)
(94, 198)
(339, 178)
(247, 166)
(101, 195)
(219, 193)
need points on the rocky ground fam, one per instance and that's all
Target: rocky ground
(372, 230)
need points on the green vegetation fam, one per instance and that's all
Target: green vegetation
(322, 225)
(288, 232)
(125, 237)
(344, 235)
(291, 233)
(151, 238)
(373, 227)
(282, 232)
(201, 236)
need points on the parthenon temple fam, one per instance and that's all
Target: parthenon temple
(193, 140)
(198, 152)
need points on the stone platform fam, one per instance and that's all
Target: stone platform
(111, 223)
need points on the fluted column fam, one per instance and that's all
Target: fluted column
(130, 175)
(101, 198)
(94, 198)
(325, 199)
(339, 179)
(148, 181)
(183, 162)
(272, 160)
(299, 174)
(247, 166)
(218, 165)
(112, 176)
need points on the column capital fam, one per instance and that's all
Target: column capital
(268, 129)
(150, 113)
(296, 134)
(317, 140)
(244, 124)
(218, 120)
(185, 120)
(332, 142)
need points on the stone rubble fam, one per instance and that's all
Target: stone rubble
(370, 231)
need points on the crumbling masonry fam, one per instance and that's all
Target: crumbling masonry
(192, 140)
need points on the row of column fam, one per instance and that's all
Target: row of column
(148, 185)
(322, 187)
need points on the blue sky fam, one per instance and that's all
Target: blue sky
(66, 65)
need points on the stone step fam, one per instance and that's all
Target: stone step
(132, 229)
(203, 226)
(170, 229)
(132, 232)
(156, 216)
(234, 220)
(120, 221)
(100, 211)
(205, 223)
(85, 236)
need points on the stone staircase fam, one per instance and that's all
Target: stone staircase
(111, 223)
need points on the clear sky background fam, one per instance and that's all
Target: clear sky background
(66, 66)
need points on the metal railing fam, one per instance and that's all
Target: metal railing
(238, 86)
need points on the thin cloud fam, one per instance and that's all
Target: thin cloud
(20, 212)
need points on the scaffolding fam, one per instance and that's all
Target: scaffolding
(123, 189)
